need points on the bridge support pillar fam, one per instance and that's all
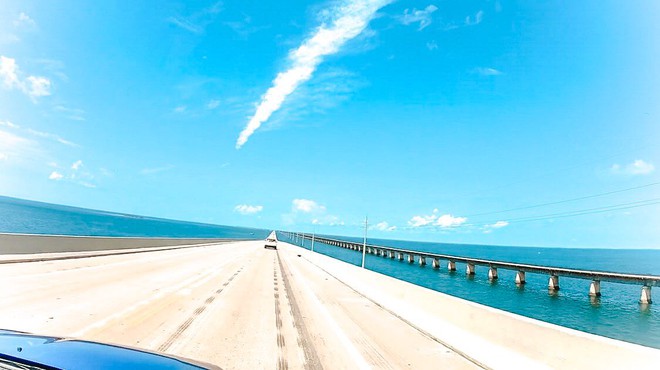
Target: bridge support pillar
(469, 269)
(399, 256)
(520, 278)
(646, 295)
(436, 263)
(492, 273)
(553, 283)
(422, 260)
(594, 288)
(391, 254)
(411, 258)
(451, 266)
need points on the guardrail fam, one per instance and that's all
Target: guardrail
(646, 281)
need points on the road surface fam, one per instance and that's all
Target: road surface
(235, 305)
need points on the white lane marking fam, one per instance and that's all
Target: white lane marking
(355, 355)
(137, 305)
(178, 288)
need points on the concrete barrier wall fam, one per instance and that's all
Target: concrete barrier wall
(31, 244)
(494, 338)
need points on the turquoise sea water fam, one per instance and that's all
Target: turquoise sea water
(28, 217)
(616, 314)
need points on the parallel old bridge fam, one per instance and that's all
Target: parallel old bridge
(646, 281)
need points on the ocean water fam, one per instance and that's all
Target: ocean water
(28, 217)
(616, 314)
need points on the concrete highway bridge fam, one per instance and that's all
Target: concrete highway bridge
(240, 306)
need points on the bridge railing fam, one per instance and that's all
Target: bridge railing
(646, 281)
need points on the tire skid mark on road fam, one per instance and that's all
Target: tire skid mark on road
(282, 363)
(160, 294)
(198, 311)
(312, 361)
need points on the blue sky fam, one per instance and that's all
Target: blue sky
(432, 117)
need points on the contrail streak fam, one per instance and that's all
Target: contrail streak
(349, 20)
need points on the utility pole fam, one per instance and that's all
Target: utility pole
(364, 243)
(313, 233)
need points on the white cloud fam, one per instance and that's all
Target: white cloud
(14, 146)
(246, 209)
(443, 221)
(243, 27)
(485, 71)
(328, 220)
(24, 20)
(310, 211)
(71, 113)
(418, 221)
(212, 104)
(8, 72)
(180, 109)
(637, 167)
(50, 136)
(348, 21)
(473, 21)
(306, 206)
(87, 184)
(38, 86)
(383, 226)
(9, 124)
(197, 22)
(33, 86)
(75, 174)
(76, 165)
(154, 170)
(499, 224)
(56, 176)
(422, 16)
(432, 45)
(3, 157)
(450, 221)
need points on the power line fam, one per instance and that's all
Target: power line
(579, 212)
(523, 179)
(563, 201)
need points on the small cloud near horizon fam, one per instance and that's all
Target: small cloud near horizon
(310, 211)
(383, 226)
(307, 206)
(444, 221)
(497, 225)
(246, 209)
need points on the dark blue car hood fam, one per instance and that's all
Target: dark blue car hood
(64, 353)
